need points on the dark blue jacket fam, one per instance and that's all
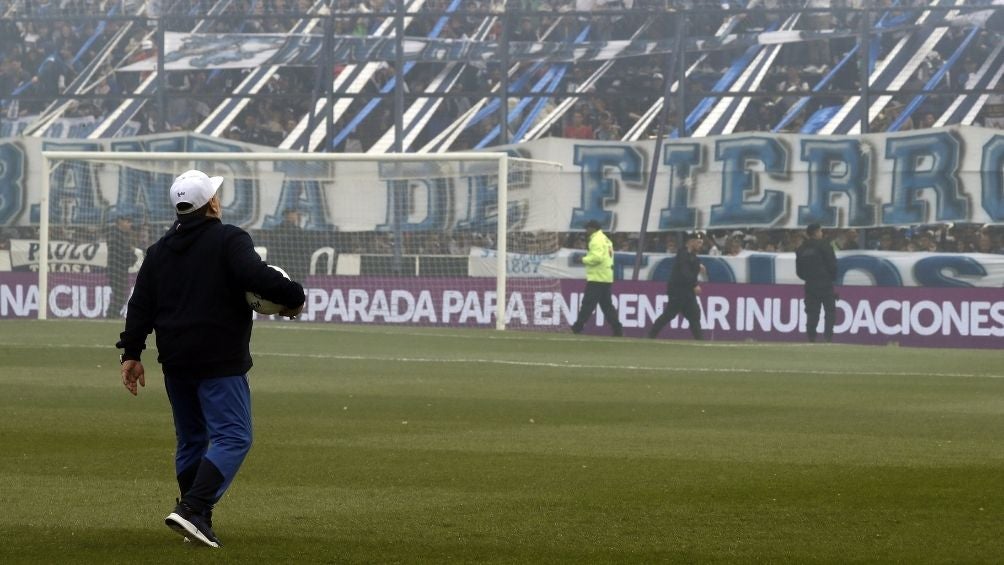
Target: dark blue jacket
(683, 275)
(191, 291)
(816, 264)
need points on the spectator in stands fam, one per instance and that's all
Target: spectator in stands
(714, 242)
(985, 243)
(524, 31)
(734, 246)
(578, 128)
(54, 74)
(792, 83)
(993, 110)
(11, 75)
(925, 242)
(289, 123)
(608, 130)
(932, 62)
(761, 116)
(848, 240)
(886, 242)
(927, 120)
(793, 240)
(271, 121)
(253, 132)
(672, 243)
(893, 113)
(969, 69)
(199, 86)
(620, 241)
(10, 33)
(960, 245)
(180, 114)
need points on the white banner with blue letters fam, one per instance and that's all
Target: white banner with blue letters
(856, 268)
(740, 181)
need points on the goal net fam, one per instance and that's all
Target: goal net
(381, 239)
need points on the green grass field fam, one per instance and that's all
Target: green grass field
(397, 445)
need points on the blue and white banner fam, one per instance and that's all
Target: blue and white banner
(740, 181)
(763, 180)
(71, 128)
(12, 127)
(855, 268)
(63, 128)
(197, 51)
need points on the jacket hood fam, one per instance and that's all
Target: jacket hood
(186, 230)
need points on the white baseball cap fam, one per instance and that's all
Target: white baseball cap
(193, 190)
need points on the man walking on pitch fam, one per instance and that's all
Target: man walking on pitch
(191, 290)
(599, 262)
(816, 264)
(682, 288)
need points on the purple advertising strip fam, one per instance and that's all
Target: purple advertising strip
(910, 316)
(920, 317)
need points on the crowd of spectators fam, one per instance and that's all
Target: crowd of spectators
(940, 238)
(39, 58)
(615, 104)
(937, 238)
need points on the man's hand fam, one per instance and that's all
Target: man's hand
(292, 312)
(697, 289)
(132, 373)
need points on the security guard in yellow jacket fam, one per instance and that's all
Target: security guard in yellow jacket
(599, 262)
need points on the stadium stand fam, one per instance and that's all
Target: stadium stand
(47, 54)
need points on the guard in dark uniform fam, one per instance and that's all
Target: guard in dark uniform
(683, 289)
(816, 264)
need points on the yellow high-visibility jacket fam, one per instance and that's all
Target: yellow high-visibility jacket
(599, 261)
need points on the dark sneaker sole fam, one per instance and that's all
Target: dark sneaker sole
(188, 530)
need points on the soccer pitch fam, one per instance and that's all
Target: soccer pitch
(404, 445)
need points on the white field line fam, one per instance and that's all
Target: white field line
(659, 369)
(566, 364)
(558, 335)
(561, 334)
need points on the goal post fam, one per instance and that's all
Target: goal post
(380, 218)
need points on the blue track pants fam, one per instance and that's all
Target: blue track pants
(212, 420)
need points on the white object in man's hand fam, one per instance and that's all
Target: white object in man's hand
(292, 312)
